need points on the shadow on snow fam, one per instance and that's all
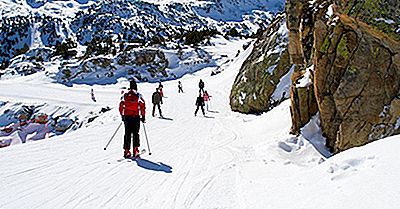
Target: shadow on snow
(147, 164)
(165, 118)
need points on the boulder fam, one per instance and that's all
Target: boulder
(356, 78)
(63, 124)
(255, 89)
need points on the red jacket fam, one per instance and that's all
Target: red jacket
(132, 104)
(206, 97)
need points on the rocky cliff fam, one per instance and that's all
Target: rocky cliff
(343, 59)
(354, 54)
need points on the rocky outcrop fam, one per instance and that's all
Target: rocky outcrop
(356, 78)
(259, 84)
(294, 13)
(304, 104)
(140, 63)
(300, 24)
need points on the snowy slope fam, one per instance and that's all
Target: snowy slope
(224, 160)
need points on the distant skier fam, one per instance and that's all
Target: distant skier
(133, 110)
(206, 97)
(157, 101)
(201, 86)
(160, 89)
(92, 95)
(180, 88)
(200, 103)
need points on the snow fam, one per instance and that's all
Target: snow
(329, 12)
(225, 160)
(271, 69)
(234, 10)
(387, 21)
(313, 133)
(283, 87)
(283, 31)
(305, 81)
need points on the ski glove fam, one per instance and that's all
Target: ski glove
(143, 119)
(123, 118)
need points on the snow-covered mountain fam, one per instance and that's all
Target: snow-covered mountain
(70, 34)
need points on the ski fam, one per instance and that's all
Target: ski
(143, 151)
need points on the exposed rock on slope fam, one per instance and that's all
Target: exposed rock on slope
(355, 54)
(357, 79)
(142, 64)
(300, 24)
(261, 82)
(346, 66)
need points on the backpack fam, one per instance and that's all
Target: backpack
(156, 98)
(131, 103)
(201, 84)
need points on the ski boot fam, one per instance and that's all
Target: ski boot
(136, 152)
(127, 154)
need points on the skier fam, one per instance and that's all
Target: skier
(180, 89)
(157, 101)
(201, 86)
(92, 95)
(206, 99)
(160, 88)
(200, 103)
(133, 110)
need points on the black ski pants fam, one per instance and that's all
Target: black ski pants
(132, 125)
(197, 109)
(159, 109)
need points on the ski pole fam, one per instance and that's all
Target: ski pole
(113, 136)
(145, 133)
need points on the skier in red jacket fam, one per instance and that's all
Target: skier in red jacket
(133, 110)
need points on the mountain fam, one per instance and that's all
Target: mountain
(73, 35)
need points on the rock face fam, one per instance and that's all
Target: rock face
(304, 104)
(260, 83)
(356, 78)
(300, 24)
